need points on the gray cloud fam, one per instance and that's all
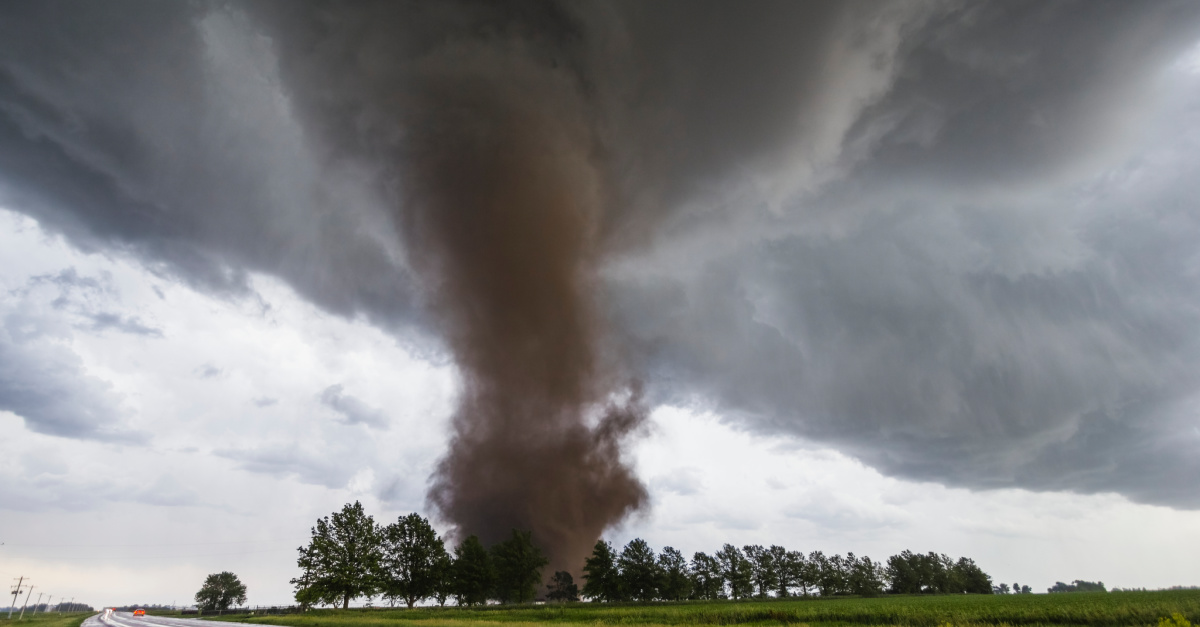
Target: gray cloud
(105, 320)
(353, 411)
(313, 467)
(208, 371)
(684, 481)
(876, 226)
(46, 384)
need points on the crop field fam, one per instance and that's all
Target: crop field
(45, 619)
(1100, 609)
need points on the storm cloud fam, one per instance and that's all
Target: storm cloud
(954, 240)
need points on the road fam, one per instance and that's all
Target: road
(126, 619)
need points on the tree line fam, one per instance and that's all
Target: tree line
(637, 574)
(1078, 586)
(351, 556)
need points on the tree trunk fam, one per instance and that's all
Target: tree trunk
(409, 601)
(346, 601)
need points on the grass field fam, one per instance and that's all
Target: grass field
(42, 619)
(1100, 609)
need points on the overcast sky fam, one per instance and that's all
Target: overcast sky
(914, 275)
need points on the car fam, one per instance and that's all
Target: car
(139, 612)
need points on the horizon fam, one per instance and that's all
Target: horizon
(839, 276)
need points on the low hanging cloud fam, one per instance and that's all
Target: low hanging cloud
(352, 410)
(954, 240)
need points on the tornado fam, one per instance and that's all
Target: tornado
(502, 200)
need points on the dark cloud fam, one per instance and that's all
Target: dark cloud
(353, 411)
(980, 345)
(873, 225)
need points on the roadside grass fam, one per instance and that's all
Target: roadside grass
(1080, 608)
(45, 619)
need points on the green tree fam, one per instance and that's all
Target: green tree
(970, 578)
(676, 580)
(639, 571)
(518, 564)
(865, 577)
(220, 590)
(562, 587)
(764, 571)
(707, 581)
(342, 560)
(473, 575)
(736, 571)
(600, 570)
(824, 580)
(412, 553)
(793, 573)
(443, 578)
(903, 571)
(781, 582)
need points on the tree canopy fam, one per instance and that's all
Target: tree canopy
(518, 565)
(342, 560)
(473, 575)
(220, 591)
(412, 559)
(600, 570)
(562, 587)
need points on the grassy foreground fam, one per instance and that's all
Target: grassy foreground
(1080, 608)
(45, 619)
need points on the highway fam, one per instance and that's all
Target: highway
(126, 619)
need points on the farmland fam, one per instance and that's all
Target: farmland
(1099, 609)
(46, 619)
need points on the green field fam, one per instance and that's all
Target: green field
(43, 619)
(1113, 608)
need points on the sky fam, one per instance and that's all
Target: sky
(850, 277)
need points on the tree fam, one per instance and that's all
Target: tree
(793, 573)
(342, 560)
(518, 564)
(562, 587)
(736, 571)
(639, 571)
(473, 576)
(600, 570)
(220, 590)
(443, 578)
(827, 577)
(676, 581)
(865, 577)
(1078, 586)
(970, 578)
(412, 554)
(707, 581)
(763, 568)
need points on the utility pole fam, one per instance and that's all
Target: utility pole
(47, 608)
(70, 608)
(39, 602)
(16, 592)
(26, 603)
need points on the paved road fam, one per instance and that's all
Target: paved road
(126, 619)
